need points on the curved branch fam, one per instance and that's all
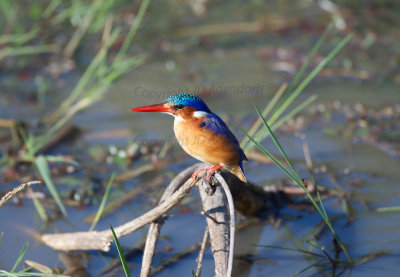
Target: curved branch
(232, 221)
(155, 227)
(217, 216)
(102, 240)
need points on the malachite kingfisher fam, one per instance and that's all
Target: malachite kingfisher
(202, 133)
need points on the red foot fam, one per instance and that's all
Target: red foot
(194, 175)
(210, 170)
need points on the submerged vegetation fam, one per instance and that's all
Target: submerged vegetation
(61, 60)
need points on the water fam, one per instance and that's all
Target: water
(229, 77)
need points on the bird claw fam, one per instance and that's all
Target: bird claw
(210, 171)
(194, 175)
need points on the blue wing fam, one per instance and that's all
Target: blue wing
(215, 123)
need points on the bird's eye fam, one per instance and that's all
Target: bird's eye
(178, 107)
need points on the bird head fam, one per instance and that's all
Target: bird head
(178, 105)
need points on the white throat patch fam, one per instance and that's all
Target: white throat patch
(200, 114)
(178, 118)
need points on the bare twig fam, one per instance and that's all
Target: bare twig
(12, 193)
(201, 253)
(102, 240)
(148, 254)
(155, 227)
(210, 217)
(216, 207)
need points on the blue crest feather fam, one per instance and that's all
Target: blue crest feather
(190, 100)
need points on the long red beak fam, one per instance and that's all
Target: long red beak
(152, 108)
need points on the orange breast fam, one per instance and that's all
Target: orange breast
(204, 144)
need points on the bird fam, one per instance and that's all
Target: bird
(202, 134)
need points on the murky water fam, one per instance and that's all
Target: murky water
(229, 79)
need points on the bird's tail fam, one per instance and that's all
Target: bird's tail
(238, 171)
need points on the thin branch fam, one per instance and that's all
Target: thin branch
(155, 227)
(201, 253)
(102, 240)
(148, 254)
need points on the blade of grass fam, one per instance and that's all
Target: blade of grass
(310, 77)
(373, 255)
(132, 31)
(20, 38)
(265, 113)
(293, 249)
(322, 249)
(300, 183)
(305, 269)
(20, 256)
(44, 171)
(39, 208)
(293, 112)
(277, 96)
(7, 9)
(309, 58)
(388, 209)
(8, 274)
(278, 145)
(87, 18)
(103, 202)
(321, 202)
(60, 159)
(121, 255)
(51, 7)
(260, 135)
(27, 50)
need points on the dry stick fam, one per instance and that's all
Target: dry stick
(155, 227)
(12, 193)
(216, 207)
(232, 221)
(151, 242)
(102, 240)
(201, 253)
